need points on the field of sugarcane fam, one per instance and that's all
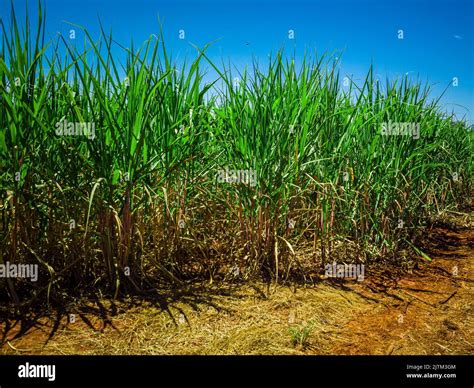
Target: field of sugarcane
(119, 178)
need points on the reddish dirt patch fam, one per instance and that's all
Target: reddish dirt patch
(428, 311)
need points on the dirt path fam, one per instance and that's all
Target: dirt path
(427, 311)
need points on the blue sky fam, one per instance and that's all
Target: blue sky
(437, 44)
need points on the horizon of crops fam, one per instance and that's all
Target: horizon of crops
(166, 178)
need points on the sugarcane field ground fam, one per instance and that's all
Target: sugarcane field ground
(283, 208)
(427, 310)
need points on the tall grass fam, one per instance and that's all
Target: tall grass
(140, 202)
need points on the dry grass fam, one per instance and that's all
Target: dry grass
(253, 320)
(338, 317)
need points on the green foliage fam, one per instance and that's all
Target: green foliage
(143, 192)
(300, 334)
